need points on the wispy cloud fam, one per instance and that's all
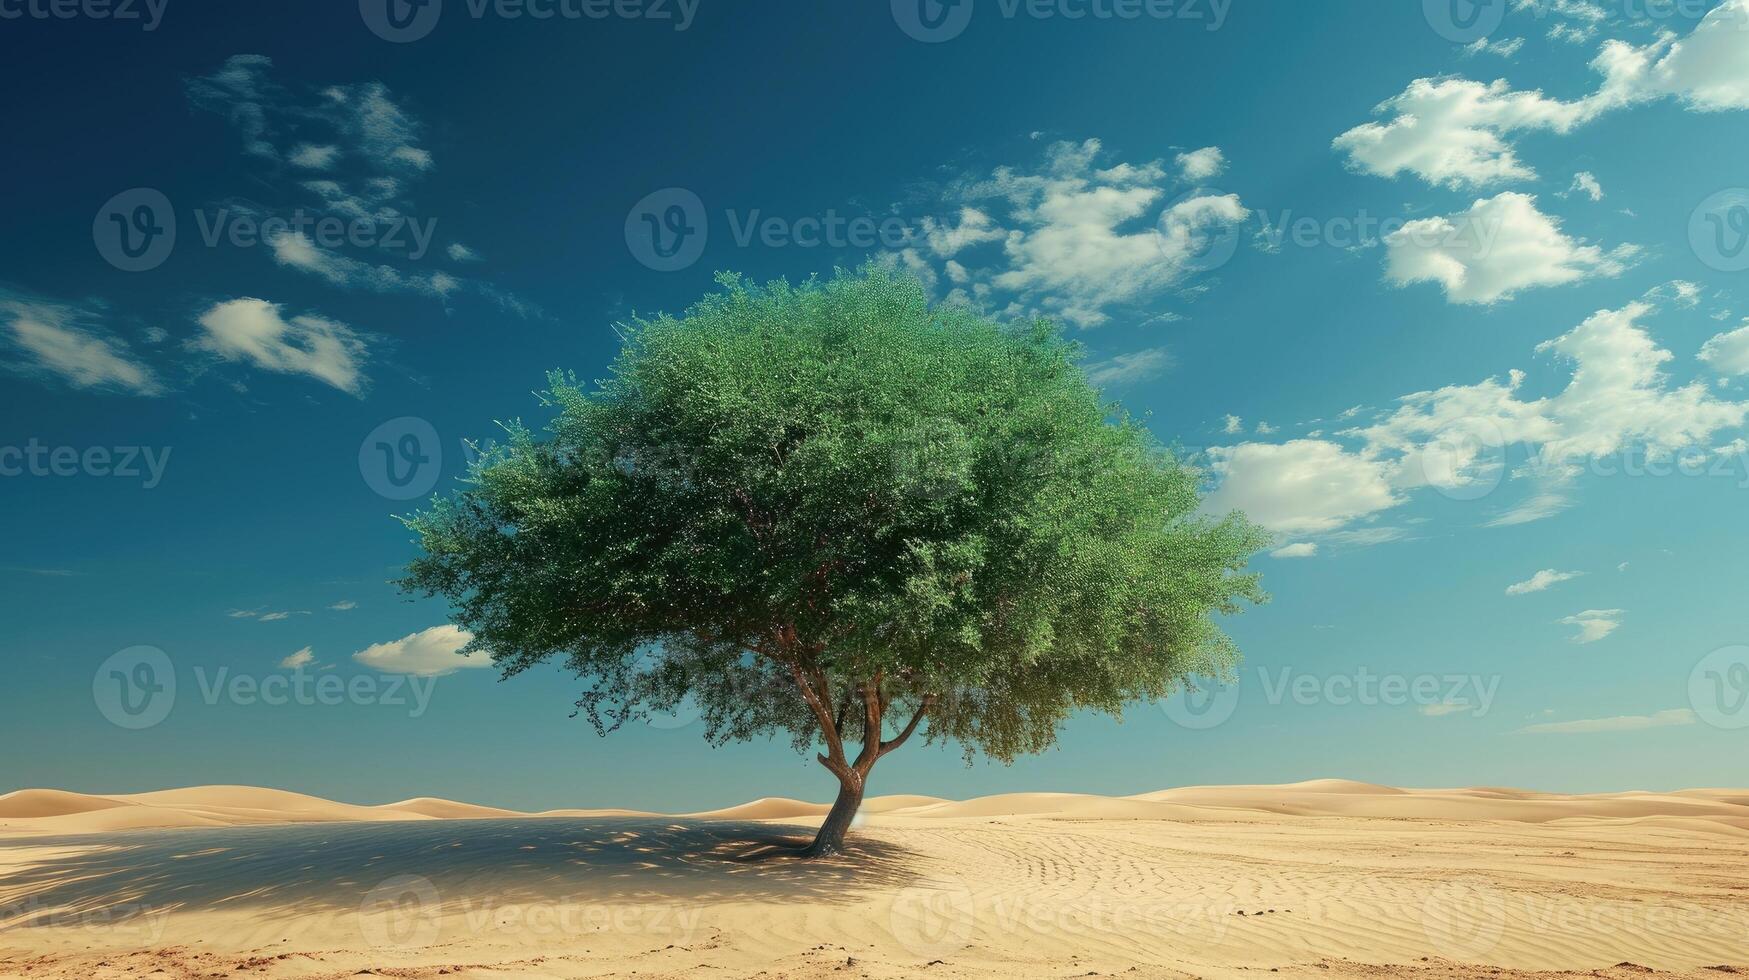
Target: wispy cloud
(1619, 723)
(256, 332)
(70, 342)
(1129, 368)
(1593, 624)
(1541, 581)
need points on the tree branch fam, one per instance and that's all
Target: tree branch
(910, 726)
(871, 724)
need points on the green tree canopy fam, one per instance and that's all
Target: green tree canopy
(837, 512)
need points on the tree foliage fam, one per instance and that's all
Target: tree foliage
(803, 506)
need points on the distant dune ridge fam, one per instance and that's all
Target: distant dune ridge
(53, 811)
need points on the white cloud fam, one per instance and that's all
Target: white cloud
(1506, 47)
(1617, 397)
(1304, 486)
(1593, 624)
(295, 249)
(344, 605)
(461, 253)
(1453, 131)
(1619, 723)
(1443, 708)
(1201, 164)
(255, 331)
(69, 343)
(428, 653)
(312, 157)
(1457, 132)
(1299, 549)
(1585, 182)
(1128, 368)
(1728, 353)
(1708, 69)
(310, 128)
(1232, 424)
(1075, 239)
(1501, 245)
(1540, 581)
(302, 658)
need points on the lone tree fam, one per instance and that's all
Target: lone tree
(835, 511)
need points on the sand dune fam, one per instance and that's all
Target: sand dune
(1326, 879)
(55, 811)
(1724, 810)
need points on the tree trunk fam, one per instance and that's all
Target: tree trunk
(830, 839)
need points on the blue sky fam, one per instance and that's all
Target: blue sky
(1451, 296)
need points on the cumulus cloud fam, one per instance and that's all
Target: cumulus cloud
(1616, 398)
(1455, 439)
(1619, 723)
(1457, 132)
(1201, 164)
(1593, 624)
(70, 342)
(1491, 251)
(1304, 486)
(1728, 353)
(1541, 581)
(427, 653)
(256, 332)
(1073, 238)
(1453, 132)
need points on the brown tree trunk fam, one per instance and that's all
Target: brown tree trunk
(830, 839)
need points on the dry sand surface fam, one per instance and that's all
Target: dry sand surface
(1320, 879)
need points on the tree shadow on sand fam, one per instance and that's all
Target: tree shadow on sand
(335, 867)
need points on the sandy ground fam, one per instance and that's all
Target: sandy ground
(1321, 879)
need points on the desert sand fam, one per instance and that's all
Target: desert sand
(1320, 879)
